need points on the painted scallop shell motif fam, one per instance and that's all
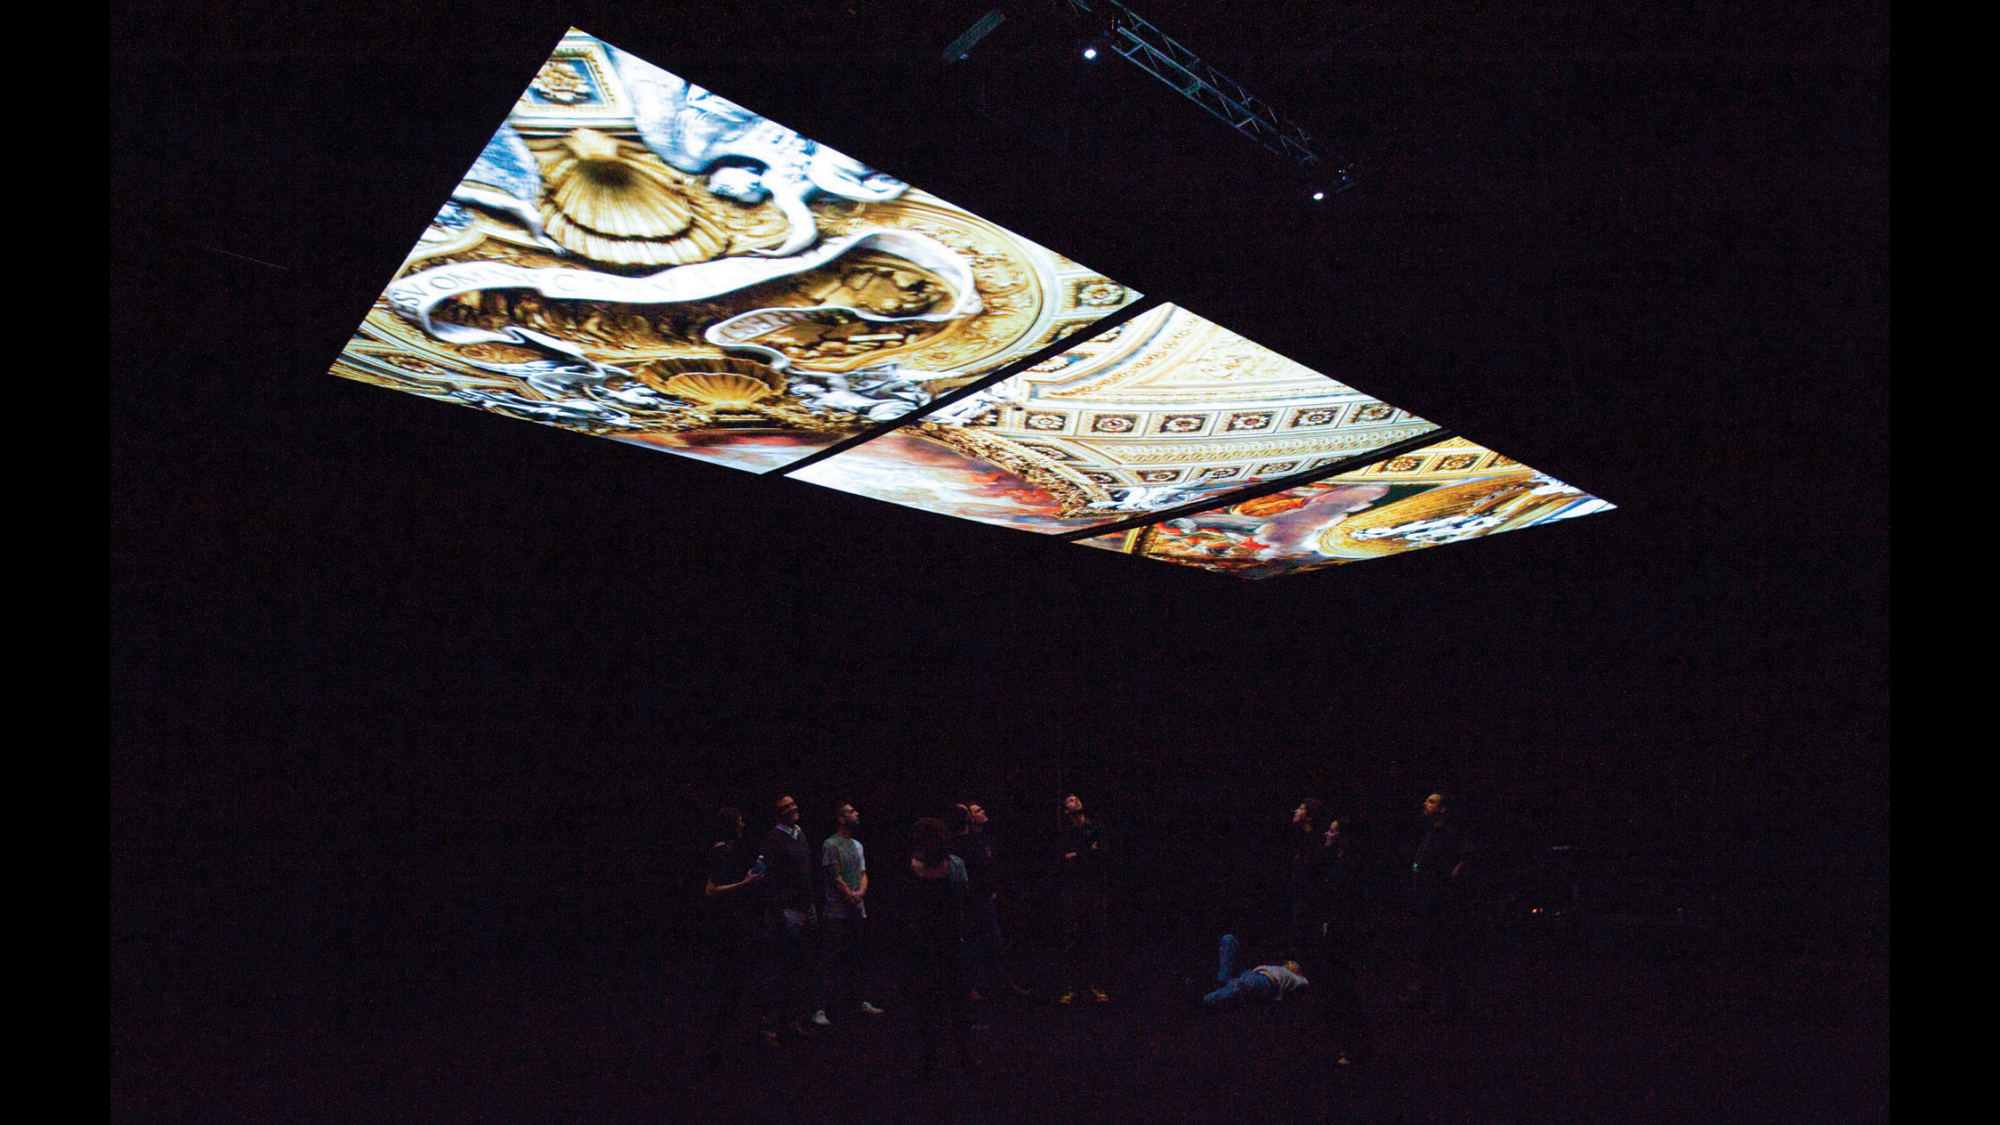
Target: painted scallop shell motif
(718, 384)
(614, 202)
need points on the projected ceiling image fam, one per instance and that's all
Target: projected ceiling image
(636, 257)
(1448, 492)
(1164, 410)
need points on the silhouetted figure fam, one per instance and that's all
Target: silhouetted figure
(788, 921)
(1310, 858)
(844, 926)
(1265, 982)
(934, 918)
(1085, 858)
(1338, 1007)
(984, 943)
(1437, 896)
(729, 923)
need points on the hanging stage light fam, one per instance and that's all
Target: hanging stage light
(1119, 29)
(1102, 42)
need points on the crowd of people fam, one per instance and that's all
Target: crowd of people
(785, 927)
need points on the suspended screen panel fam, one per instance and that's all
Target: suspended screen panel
(1155, 413)
(1446, 493)
(636, 257)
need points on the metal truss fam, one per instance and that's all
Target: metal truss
(1156, 53)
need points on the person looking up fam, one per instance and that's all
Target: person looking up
(788, 923)
(1086, 900)
(1436, 883)
(984, 942)
(934, 902)
(728, 923)
(1309, 872)
(844, 865)
(1339, 1012)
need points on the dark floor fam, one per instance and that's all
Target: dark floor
(1614, 1020)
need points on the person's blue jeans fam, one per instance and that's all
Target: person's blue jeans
(787, 959)
(841, 935)
(982, 944)
(1237, 987)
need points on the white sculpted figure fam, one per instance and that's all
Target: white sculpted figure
(1009, 392)
(746, 156)
(878, 396)
(565, 412)
(1145, 498)
(1444, 529)
(506, 179)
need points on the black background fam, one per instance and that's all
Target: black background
(397, 685)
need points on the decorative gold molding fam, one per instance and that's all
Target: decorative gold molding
(1074, 491)
(1337, 441)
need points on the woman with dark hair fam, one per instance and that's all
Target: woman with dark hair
(934, 898)
(1340, 1011)
(1311, 858)
(729, 900)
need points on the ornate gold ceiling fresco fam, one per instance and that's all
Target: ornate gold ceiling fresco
(636, 257)
(1161, 411)
(1445, 493)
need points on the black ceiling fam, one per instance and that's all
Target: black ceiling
(1642, 248)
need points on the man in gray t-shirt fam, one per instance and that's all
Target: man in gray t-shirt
(845, 866)
(1265, 982)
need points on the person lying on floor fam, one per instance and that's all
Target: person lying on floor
(1265, 982)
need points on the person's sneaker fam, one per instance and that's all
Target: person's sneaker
(802, 1029)
(819, 1019)
(974, 996)
(868, 1009)
(1068, 997)
(1101, 996)
(1343, 1060)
